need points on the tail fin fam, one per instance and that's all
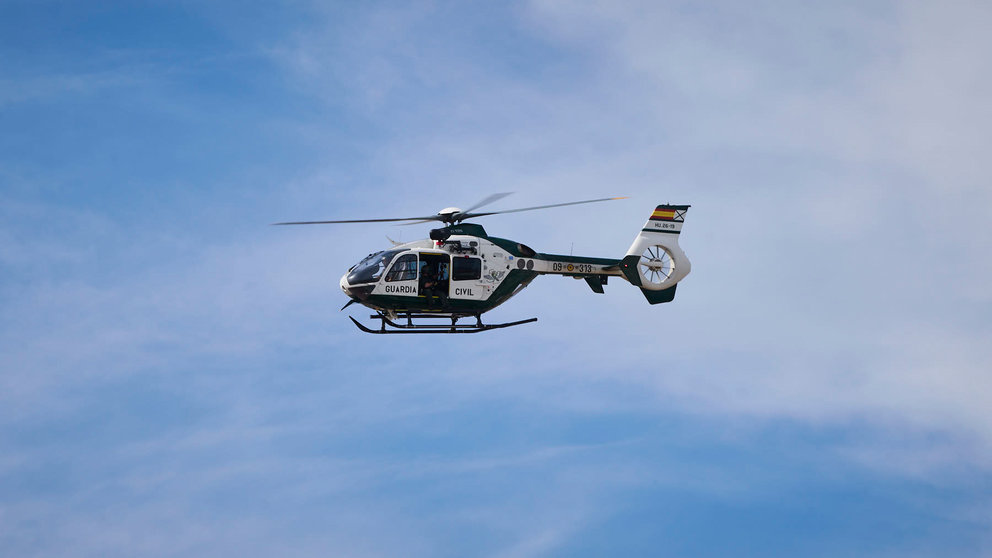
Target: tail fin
(655, 262)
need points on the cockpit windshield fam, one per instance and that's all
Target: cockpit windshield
(371, 267)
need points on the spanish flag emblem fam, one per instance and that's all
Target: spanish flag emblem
(662, 214)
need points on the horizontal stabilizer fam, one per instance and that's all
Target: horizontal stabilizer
(596, 282)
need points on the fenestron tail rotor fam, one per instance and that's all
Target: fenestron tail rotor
(451, 215)
(656, 265)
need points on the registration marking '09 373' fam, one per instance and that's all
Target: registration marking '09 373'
(571, 268)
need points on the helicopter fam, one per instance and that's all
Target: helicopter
(462, 272)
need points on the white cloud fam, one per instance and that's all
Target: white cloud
(837, 229)
(838, 283)
(729, 95)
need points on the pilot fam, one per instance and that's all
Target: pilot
(431, 278)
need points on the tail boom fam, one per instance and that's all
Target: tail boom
(654, 262)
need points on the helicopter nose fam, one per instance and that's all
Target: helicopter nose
(345, 286)
(355, 292)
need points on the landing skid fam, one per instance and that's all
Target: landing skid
(389, 326)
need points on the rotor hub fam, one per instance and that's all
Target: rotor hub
(449, 215)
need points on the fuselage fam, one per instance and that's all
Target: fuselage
(459, 270)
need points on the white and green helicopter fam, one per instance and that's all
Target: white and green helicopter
(462, 272)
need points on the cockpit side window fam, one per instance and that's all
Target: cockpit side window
(465, 269)
(404, 268)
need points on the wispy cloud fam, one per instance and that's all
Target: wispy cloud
(190, 386)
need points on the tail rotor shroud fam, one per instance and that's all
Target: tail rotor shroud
(655, 262)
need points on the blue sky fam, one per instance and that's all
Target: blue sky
(176, 378)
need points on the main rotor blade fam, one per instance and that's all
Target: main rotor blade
(453, 218)
(488, 201)
(467, 215)
(422, 219)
